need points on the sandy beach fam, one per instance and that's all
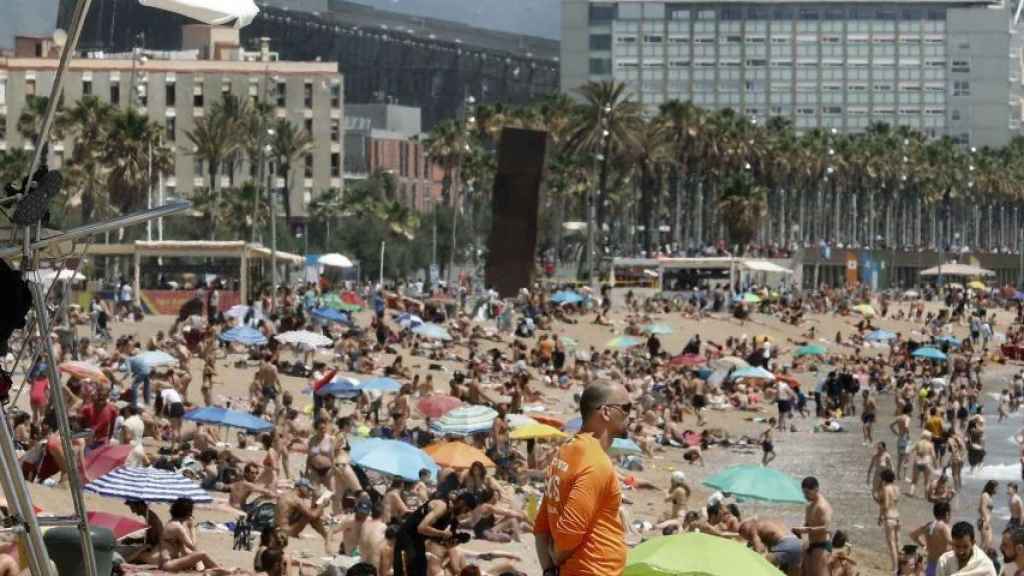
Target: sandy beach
(838, 460)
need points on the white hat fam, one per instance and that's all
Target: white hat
(678, 477)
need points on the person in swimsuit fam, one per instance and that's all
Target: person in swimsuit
(817, 521)
(901, 428)
(882, 460)
(178, 552)
(434, 521)
(320, 458)
(867, 417)
(985, 505)
(769, 537)
(934, 537)
(889, 516)
(1016, 507)
(767, 444)
(293, 514)
(924, 459)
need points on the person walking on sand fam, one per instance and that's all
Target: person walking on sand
(901, 428)
(934, 537)
(578, 529)
(767, 443)
(986, 502)
(889, 516)
(881, 461)
(867, 416)
(924, 458)
(817, 521)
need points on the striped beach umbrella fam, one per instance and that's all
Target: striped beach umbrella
(148, 485)
(465, 420)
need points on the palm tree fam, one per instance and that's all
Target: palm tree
(652, 156)
(327, 208)
(30, 122)
(215, 139)
(88, 124)
(606, 127)
(134, 154)
(14, 165)
(289, 144)
(743, 205)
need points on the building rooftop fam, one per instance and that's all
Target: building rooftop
(952, 3)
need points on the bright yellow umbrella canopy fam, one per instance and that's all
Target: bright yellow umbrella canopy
(865, 309)
(536, 431)
(977, 285)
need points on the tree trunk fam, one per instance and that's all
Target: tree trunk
(698, 214)
(214, 200)
(674, 185)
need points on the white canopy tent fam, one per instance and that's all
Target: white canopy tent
(335, 260)
(956, 269)
(237, 13)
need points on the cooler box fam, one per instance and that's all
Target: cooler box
(64, 546)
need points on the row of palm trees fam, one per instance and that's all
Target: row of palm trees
(688, 178)
(118, 153)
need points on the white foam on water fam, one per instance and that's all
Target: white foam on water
(1003, 472)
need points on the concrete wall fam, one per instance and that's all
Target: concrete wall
(404, 120)
(980, 37)
(26, 17)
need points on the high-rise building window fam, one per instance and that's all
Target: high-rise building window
(603, 13)
(335, 129)
(307, 95)
(335, 165)
(600, 66)
(308, 125)
(309, 166)
(3, 127)
(115, 93)
(961, 88)
(30, 88)
(198, 99)
(170, 128)
(170, 95)
(86, 87)
(600, 41)
(336, 95)
(282, 94)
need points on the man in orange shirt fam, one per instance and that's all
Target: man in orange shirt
(578, 528)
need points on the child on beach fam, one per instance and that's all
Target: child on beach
(767, 443)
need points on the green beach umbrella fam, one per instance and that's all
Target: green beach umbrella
(623, 342)
(810, 350)
(332, 300)
(568, 342)
(758, 483)
(696, 554)
(751, 298)
(657, 329)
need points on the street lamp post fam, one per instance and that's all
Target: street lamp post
(594, 195)
(273, 241)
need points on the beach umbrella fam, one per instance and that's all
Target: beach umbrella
(332, 300)
(977, 285)
(330, 315)
(457, 455)
(749, 298)
(624, 447)
(727, 362)
(465, 420)
(880, 336)
(568, 342)
(866, 310)
(105, 459)
(240, 311)
(236, 13)
(566, 297)
(549, 420)
(437, 405)
(246, 335)
(395, 458)
(148, 485)
(689, 360)
(381, 383)
(929, 353)
(912, 294)
(303, 337)
(536, 431)
(810, 350)
(340, 387)
(432, 331)
(1018, 295)
(121, 526)
(231, 418)
(49, 275)
(624, 342)
(350, 297)
(696, 554)
(756, 482)
(657, 329)
(145, 362)
(955, 285)
(950, 340)
(754, 372)
(335, 260)
(573, 426)
(518, 420)
(406, 320)
(84, 370)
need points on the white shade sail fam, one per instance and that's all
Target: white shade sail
(336, 260)
(955, 269)
(237, 13)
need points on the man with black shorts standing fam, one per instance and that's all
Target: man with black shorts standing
(785, 398)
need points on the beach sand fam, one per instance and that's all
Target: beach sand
(838, 460)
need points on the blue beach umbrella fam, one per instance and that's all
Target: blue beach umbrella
(394, 458)
(246, 335)
(380, 383)
(950, 340)
(330, 315)
(432, 331)
(566, 297)
(880, 336)
(755, 372)
(144, 363)
(340, 387)
(657, 329)
(623, 447)
(929, 353)
(148, 485)
(230, 418)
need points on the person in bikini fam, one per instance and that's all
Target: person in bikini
(817, 521)
(178, 551)
(889, 515)
(934, 537)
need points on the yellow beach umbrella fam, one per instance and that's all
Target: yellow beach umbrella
(977, 285)
(536, 431)
(865, 310)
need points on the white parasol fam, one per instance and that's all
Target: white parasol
(336, 260)
(304, 337)
(237, 13)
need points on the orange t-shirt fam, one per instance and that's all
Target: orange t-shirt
(580, 509)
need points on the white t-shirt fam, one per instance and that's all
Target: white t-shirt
(170, 396)
(136, 426)
(126, 293)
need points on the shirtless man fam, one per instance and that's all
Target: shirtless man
(817, 520)
(242, 489)
(868, 416)
(935, 536)
(924, 458)
(882, 460)
(351, 527)
(1016, 507)
(294, 514)
(269, 380)
(769, 537)
(901, 428)
(372, 536)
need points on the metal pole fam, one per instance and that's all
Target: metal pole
(70, 462)
(591, 217)
(273, 244)
(382, 245)
(149, 193)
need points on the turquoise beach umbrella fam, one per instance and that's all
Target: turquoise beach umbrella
(758, 483)
(810, 350)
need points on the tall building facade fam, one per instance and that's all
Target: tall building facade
(176, 88)
(938, 67)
